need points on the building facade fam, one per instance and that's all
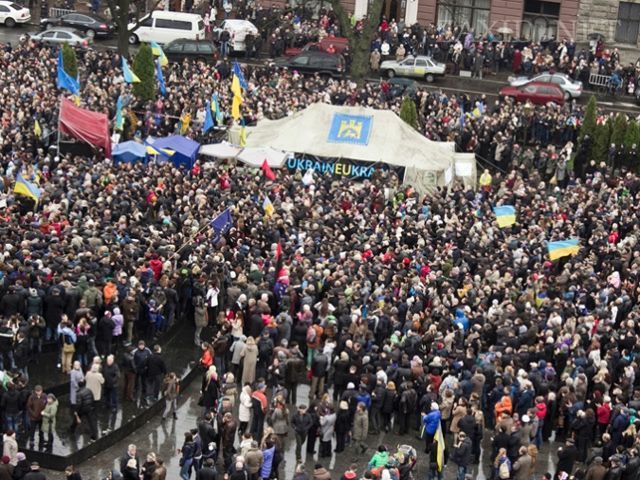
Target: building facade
(530, 19)
(617, 21)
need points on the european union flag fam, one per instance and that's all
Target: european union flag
(208, 119)
(238, 73)
(221, 224)
(66, 81)
(161, 84)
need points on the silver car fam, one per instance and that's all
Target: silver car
(60, 35)
(416, 67)
(571, 88)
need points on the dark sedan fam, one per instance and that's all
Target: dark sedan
(311, 62)
(91, 25)
(181, 49)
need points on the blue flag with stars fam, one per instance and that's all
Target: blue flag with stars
(221, 224)
(208, 119)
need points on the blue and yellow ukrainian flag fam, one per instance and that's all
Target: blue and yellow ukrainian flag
(26, 188)
(563, 248)
(505, 215)
(237, 97)
(128, 74)
(156, 50)
(268, 207)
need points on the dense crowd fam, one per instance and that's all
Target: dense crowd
(400, 310)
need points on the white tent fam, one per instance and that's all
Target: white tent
(220, 150)
(360, 134)
(255, 156)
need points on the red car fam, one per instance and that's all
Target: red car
(538, 93)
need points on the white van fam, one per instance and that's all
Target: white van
(164, 27)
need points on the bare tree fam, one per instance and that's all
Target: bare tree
(359, 42)
(120, 10)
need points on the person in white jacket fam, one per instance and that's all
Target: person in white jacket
(244, 410)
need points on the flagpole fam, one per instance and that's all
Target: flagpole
(58, 139)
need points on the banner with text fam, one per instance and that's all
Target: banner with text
(340, 167)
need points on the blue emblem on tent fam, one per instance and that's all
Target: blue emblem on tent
(354, 129)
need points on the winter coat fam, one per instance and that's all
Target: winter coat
(463, 454)
(94, 383)
(458, 412)
(250, 356)
(170, 388)
(244, 409)
(327, 425)
(49, 417)
(301, 423)
(431, 422)
(360, 426)
(280, 421)
(268, 455)
(567, 455)
(253, 459)
(76, 376)
(522, 468)
(10, 449)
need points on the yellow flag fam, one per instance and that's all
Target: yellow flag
(268, 207)
(243, 136)
(185, 121)
(37, 131)
(235, 107)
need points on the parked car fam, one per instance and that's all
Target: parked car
(538, 93)
(163, 27)
(572, 88)
(238, 30)
(399, 87)
(339, 44)
(417, 67)
(12, 14)
(182, 49)
(91, 25)
(60, 35)
(315, 62)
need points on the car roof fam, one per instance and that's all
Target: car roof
(175, 15)
(237, 21)
(86, 14)
(187, 40)
(64, 29)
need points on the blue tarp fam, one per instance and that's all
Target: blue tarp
(129, 152)
(186, 150)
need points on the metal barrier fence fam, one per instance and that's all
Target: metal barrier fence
(58, 12)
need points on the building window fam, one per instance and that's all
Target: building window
(628, 23)
(540, 20)
(470, 14)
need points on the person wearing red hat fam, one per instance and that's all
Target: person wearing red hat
(351, 473)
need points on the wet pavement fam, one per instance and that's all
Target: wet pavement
(165, 438)
(179, 354)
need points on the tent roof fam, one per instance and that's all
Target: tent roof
(390, 139)
(255, 156)
(178, 143)
(129, 150)
(220, 150)
(85, 125)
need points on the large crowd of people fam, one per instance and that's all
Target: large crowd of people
(402, 311)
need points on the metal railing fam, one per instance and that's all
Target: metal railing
(58, 12)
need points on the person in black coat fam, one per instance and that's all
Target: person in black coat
(342, 427)
(156, 370)
(389, 403)
(111, 373)
(567, 456)
(53, 311)
(462, 454)
(105, 333)
(340, 372)
(84, 412)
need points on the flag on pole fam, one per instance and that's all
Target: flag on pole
(221, 224)
(64, 80)
(563, 248)
(127, 73)
(208, 118)
(237, 71)
(270, 174)
(37, 130)
(119, 116)
(156, 50)
(268, 207)
(440, 446)
(160, 76)
(505, 215)
(237, 98)
(26, 188)
(215, 109)
(462, 116)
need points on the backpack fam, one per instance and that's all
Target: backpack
(503, 471)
